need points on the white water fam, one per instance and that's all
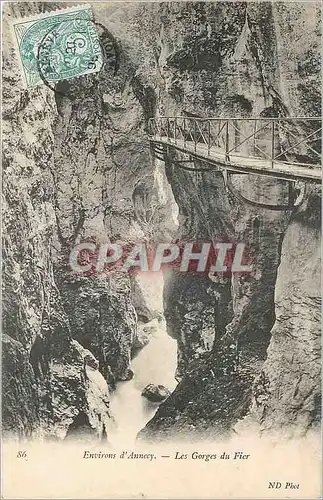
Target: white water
(155, 363)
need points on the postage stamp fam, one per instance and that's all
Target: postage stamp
(57, 45)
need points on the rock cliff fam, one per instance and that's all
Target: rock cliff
(46, 382)
(77, 166)
(239, 60)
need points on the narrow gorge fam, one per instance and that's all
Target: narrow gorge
(236, 352)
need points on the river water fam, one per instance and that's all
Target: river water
(155, 363)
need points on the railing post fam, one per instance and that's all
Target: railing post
(195, 135)
(227, 157)
(184, 130)
(175, 127)
(236, 134)
(254, 137)
(168, 129)
(272, 143)
(209, 138)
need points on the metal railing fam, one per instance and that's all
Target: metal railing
(284, 140)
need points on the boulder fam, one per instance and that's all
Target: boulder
(156, 393)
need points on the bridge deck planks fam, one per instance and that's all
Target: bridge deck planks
(243, 164)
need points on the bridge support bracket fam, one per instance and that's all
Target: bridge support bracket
(291, 205)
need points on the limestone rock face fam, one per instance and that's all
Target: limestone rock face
(44, 379)
(237, 65)
(20, 412)
(288, 393)
(30, 294)
(102, 319)
(76, 166)
(76, 388)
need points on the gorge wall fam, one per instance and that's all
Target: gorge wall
(242, 60)
(77, 167)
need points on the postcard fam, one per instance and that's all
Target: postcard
(161, 221)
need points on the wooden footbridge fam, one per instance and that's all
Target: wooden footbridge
(283, 148)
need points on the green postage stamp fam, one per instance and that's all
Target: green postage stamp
(57, 45)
